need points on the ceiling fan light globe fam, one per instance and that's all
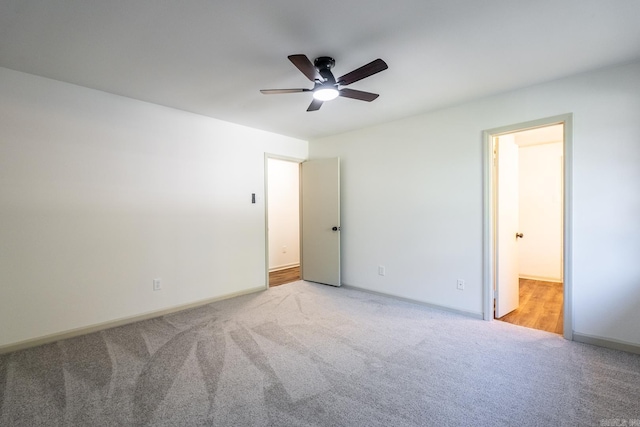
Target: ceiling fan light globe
(325, 94)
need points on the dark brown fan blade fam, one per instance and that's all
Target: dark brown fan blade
(279, 91)
(370, 69)
(358, 94)
(315, 105)
(303, 64)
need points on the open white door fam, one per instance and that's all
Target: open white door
(507, 213)
(320, 221)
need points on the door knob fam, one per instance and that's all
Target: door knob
(520, 235)
(336, 228)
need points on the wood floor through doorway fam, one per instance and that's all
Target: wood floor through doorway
(281, 277)
(540, 306)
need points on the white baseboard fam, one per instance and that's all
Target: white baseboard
(284, 267)
(607, 342)
(426, 304)
(34, 342)
(541, 278)
(583, 338)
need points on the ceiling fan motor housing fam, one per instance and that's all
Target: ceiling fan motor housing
(324, 62)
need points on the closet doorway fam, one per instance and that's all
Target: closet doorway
(283, 220)
(527, 230)
(303, 219)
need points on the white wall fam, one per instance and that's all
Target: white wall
(284, 213)
(540, 191)
(99, 194)
(412, 198)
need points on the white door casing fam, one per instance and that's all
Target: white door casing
(489, 212)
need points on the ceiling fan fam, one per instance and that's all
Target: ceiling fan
(326, 87)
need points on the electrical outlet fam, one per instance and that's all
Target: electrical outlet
(381, 270)
(284, 249)
(157, 285)
(460, 285)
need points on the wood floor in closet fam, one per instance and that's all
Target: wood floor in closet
(540, 306)
(280, 277)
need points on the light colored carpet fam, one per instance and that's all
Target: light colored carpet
(310, 355)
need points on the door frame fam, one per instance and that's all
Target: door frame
(299, 161)
(489, 229)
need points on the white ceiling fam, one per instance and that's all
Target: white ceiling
(212, 56)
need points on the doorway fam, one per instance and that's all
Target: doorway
(312, 224)
(528, 195)
(527, 211)
(283, 221)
